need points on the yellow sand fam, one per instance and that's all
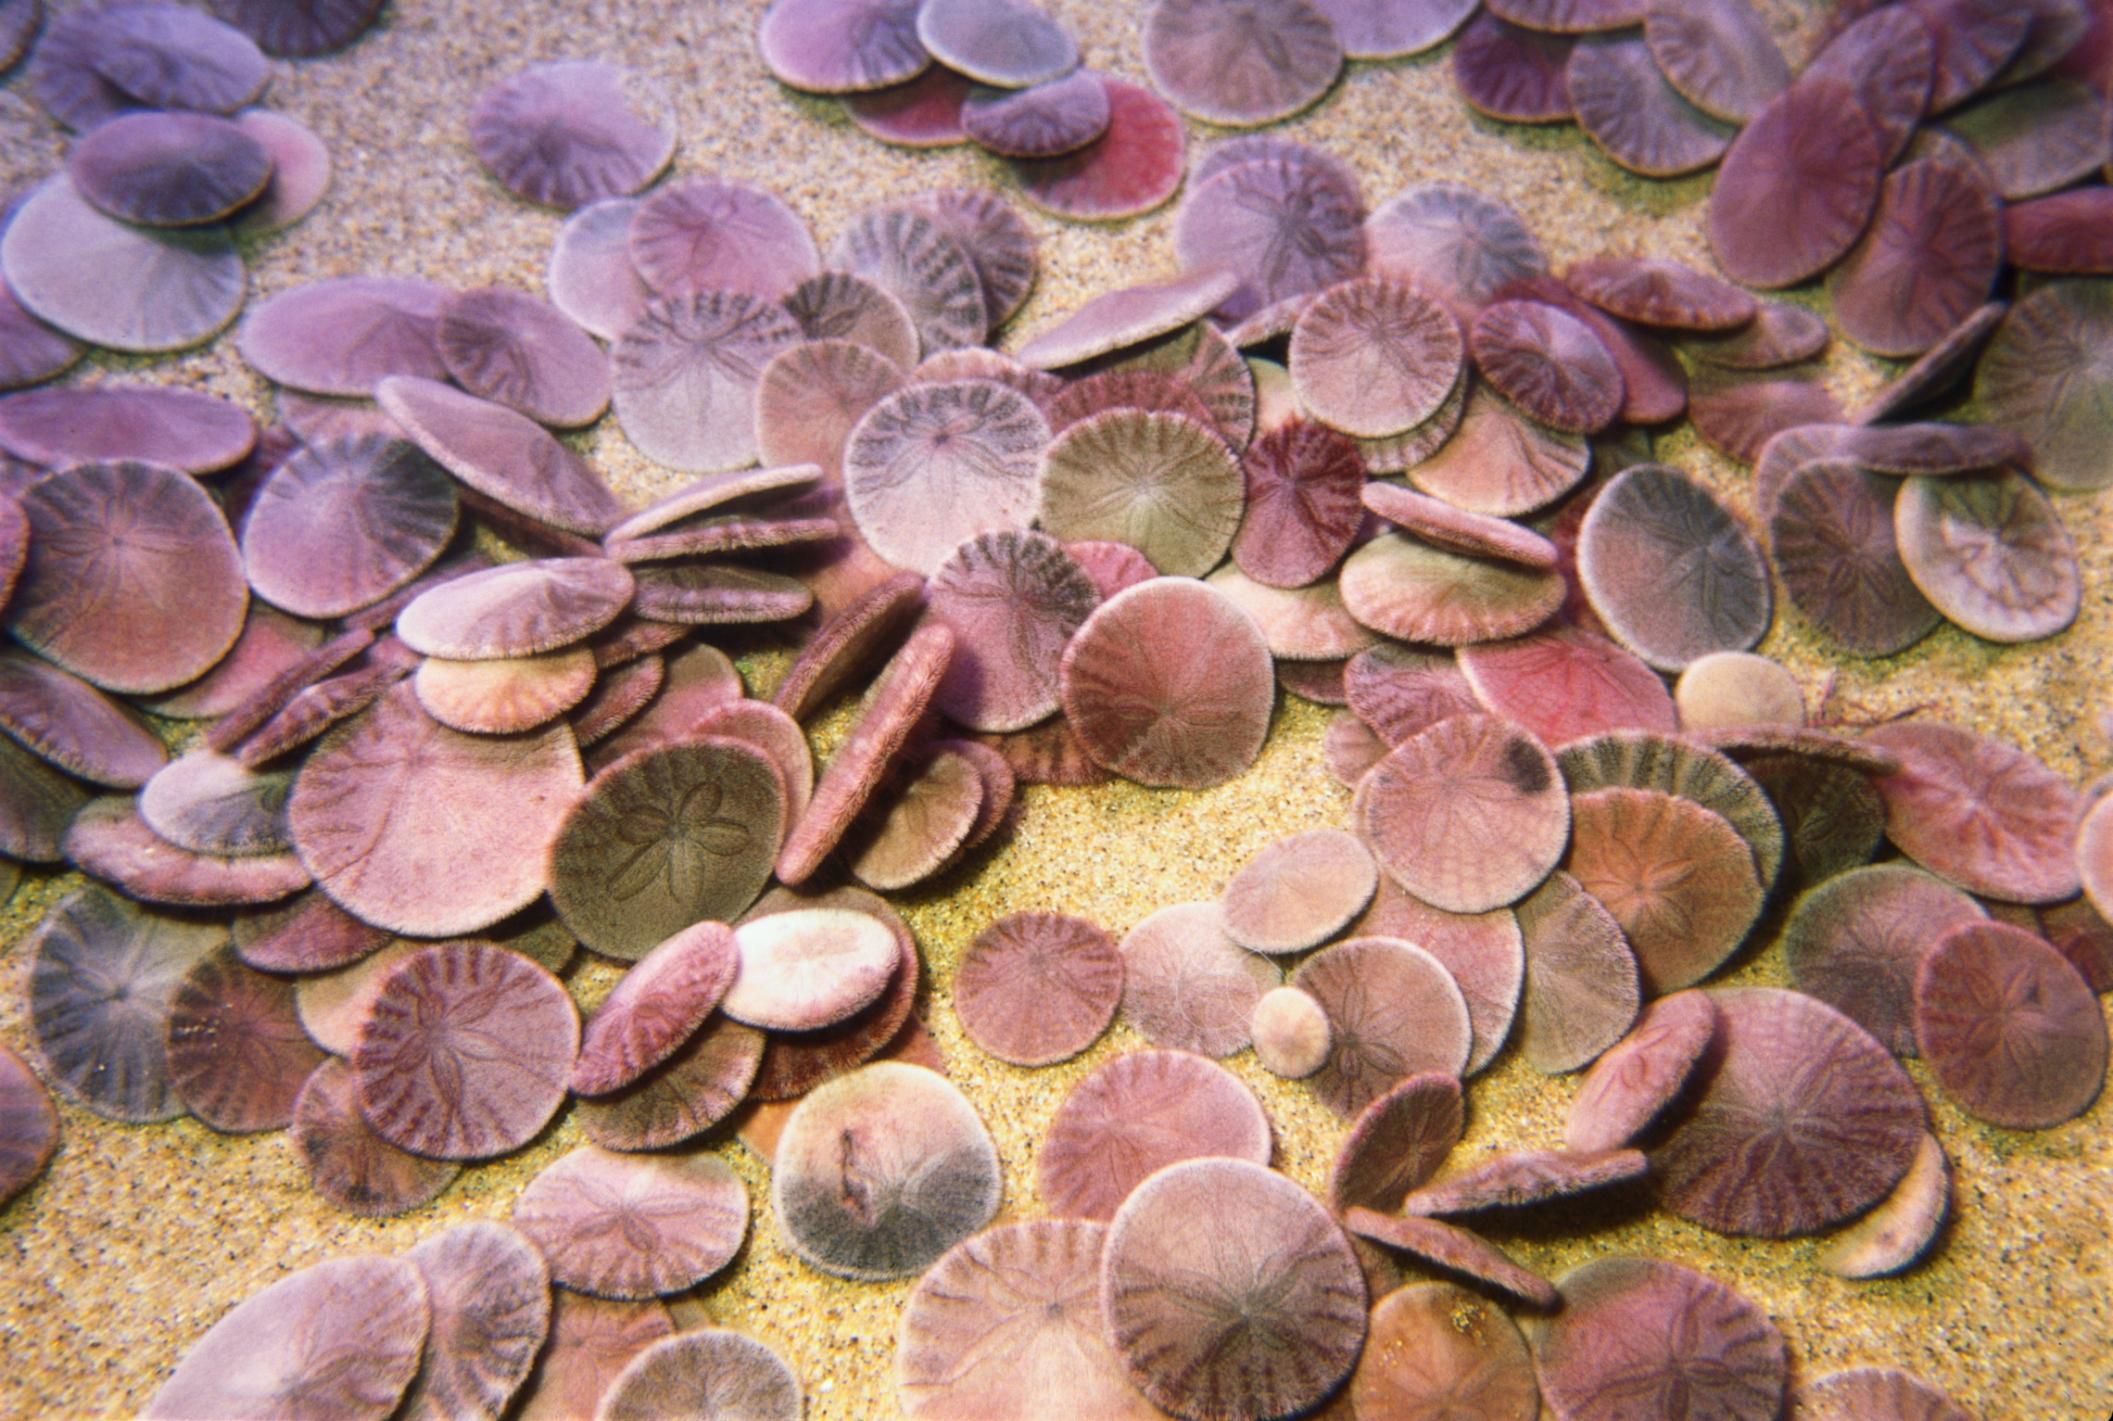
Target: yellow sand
(139, 1238)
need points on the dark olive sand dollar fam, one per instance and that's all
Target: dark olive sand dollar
(78, 424)
(685, 376)
(1582, 986)
(629, 1226)
(1302, 510)
(1162, 483)
(1137, 1113)
(237, 1055)
(1512, 73)
(664, 837)
(934, 464)
(421, 829)
(344, 335)
(489, 1291)
(1642, 1337)
(1286, 227)
(1469, 815)
(1901, 1228)
(132, 580)
(1567, 683)
(1991, 553)
(1393, 1012)
(1833, 543)
(341, 525)
(881, 1171)
(1374, 356)
(1436, 1350)
(655, 1007)
(574, 132)
(337, 1341)
(2010, 1027)
(706, 1372)
(1187, 985)
(1856, 941)
(1979, 812)
(1299, 891)
(112, 284)
(168, 169)
(1872, 1394)
(1675, 875)
(1014, 599)
(1230, 1292)
(1009, 1323)
(1037, 988)
(1397, 1143)
(1642, 1073)
(1241, 65)
(1801, 1120)
(806, 969)
(1670, 571)
(504, 455)
(1797, 187)
(841, 46)
(1132, 168)
(29, 1127)
(1169, 683)
(347, 1163)
(893, 708)
(504, 345)
(465, 1051)
(70, 724)
(1523, 1178)
(1413, 590)
(103, 977)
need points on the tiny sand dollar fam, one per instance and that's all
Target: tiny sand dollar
(1037, 988)
(1169, 683)
(1230, 1292)
(881, 1171)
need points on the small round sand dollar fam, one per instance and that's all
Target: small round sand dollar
(1375, 356)
(1435, 1350)
(1245, 64)
(1469, 815)
(706, 1373)
(1038, 988)
(1675, 875)
(1802, 1119)
(1291, 1033)
(1641, 1336)
(2010, 1027)
(574, 132)
(1396, 1143)
(1169, 683)
(632, 1226)
(665, 837)
(339, 526)
(1138, 1113)
(1642, 1073)
(237, 1054)
(347, 1163)
(1162, 483)
(29, 1126)
(341, 1339)
(465, 1051)
(1393, 1012)
(1991, 553)
(1189, 986)
(1670, 571)
(808, 969)
(1230, 1292)
(1014, 599)
(881, 1171)
(932, 465)
(1009, 1323)
(1299, 891)
(1738, 688)
(418, 828)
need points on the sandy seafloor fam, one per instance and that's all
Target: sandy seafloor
(138, 1238)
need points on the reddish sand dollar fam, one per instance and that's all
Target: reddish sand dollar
(1038, 988)
(1414, 590)
(1638, 1336)
(418, 828)
(630, 1226)
(1393, 1012)
(1009, 1323)
(2010, 1027)
(1162, 483)
(1189, 986)
(1061, 116)
(1981, 813)
(1136, 1114)
(922, 822)
(1549, 363)
(1013, 600)
(1567, 683)
(924, 112)
(29, 1126)
(1168, 683)
(810, 396)
(347, 1163)
(342, 1338)
(1468, 815)
(237, 1054)
(1374, 356)
(1133, 167)
(1797, 187)
(1642, 1073)
(1302, 508)
(1230, 1292)
(465, 1052)
(77, 424)
(679, 1098)
(1719, 55)
(1802, 1119)
(1242, 65)
(1396, 1143)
